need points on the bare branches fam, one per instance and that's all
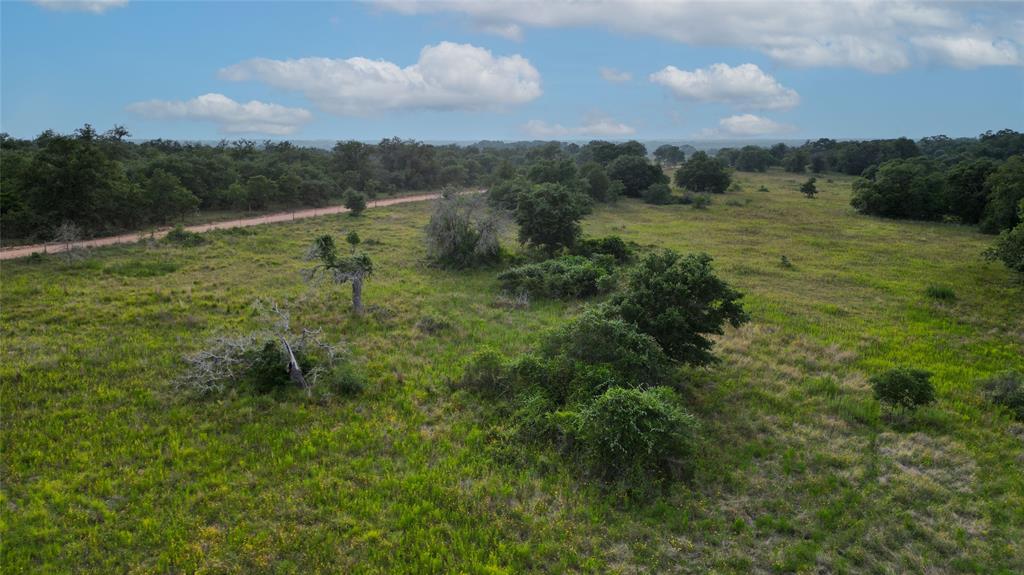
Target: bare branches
(224, 360)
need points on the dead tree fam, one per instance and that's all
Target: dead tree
(225, 359)
(341, 269)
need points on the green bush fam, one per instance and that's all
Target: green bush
(679, 301)
(464, 232)
(1009, 247)
(633, 434)
(487, 374)
(563, 277)
(904, 388)
(345, 380)
(610, 245)
(944, 293)
(355, 202)
(182, 237)
(658, 194)
(268, 370)
(596, 339)
(1007, 390)
(701, 201)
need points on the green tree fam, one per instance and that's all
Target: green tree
(548, 216)
(635, 173)
(353, 269)
(679, 301)
(1009, 248)
(670, 155)
(913, 189)
(968, 195)
(597, 183)
(167, 197)
(703, 174)
(1006, 190)
(260, 191)
(355, 202)
(808, 188)
(796, 161)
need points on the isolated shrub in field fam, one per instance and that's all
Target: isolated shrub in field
(464, 232)
(944, 293)
(610, 245)
(563, 277)
(658, 194)
(633, 434)
(594, 338)
(486, 373)
(904, 388)
(679, 301)
(355, 202)
(701, 201)
(1007, 390)
(344, 379)
(182, 237)
(808, 188)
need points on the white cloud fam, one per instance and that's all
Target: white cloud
(744, 86)
(592, 126)
(969, 52)
(507, 31)
(746, 126)
(231, 117)
(94, 6)
(447, 76)
(869, 35)
(615, 76)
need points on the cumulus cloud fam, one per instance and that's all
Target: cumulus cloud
(447, 76)
(969, 52)
(747, 126)
(744, 86)
(592, 126)
(615, 76)
(869, 35)
(94, 6)
(230, 116)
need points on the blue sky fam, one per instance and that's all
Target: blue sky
(511, 70)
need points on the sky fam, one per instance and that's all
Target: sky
(512, 70)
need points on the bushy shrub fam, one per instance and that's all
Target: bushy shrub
(486, 373)
(610, 245)
(903, 388)
(633, 434)
(701, 201)
(505, 194)
(679, 301)
(548, 216)
(182, 237)
(1009, 248)
(658, 194)
(563, 277)
(1007, 390)
(1005, 193)
(268, 368)
(355, 202)
(564, 380)
(944, 293)
(597, 339)
(344, 379)
(464, 232)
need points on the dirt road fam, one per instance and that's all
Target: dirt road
(23, 251)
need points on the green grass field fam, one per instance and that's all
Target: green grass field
(106, 469)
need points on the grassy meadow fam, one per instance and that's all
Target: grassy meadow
(106, 469)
